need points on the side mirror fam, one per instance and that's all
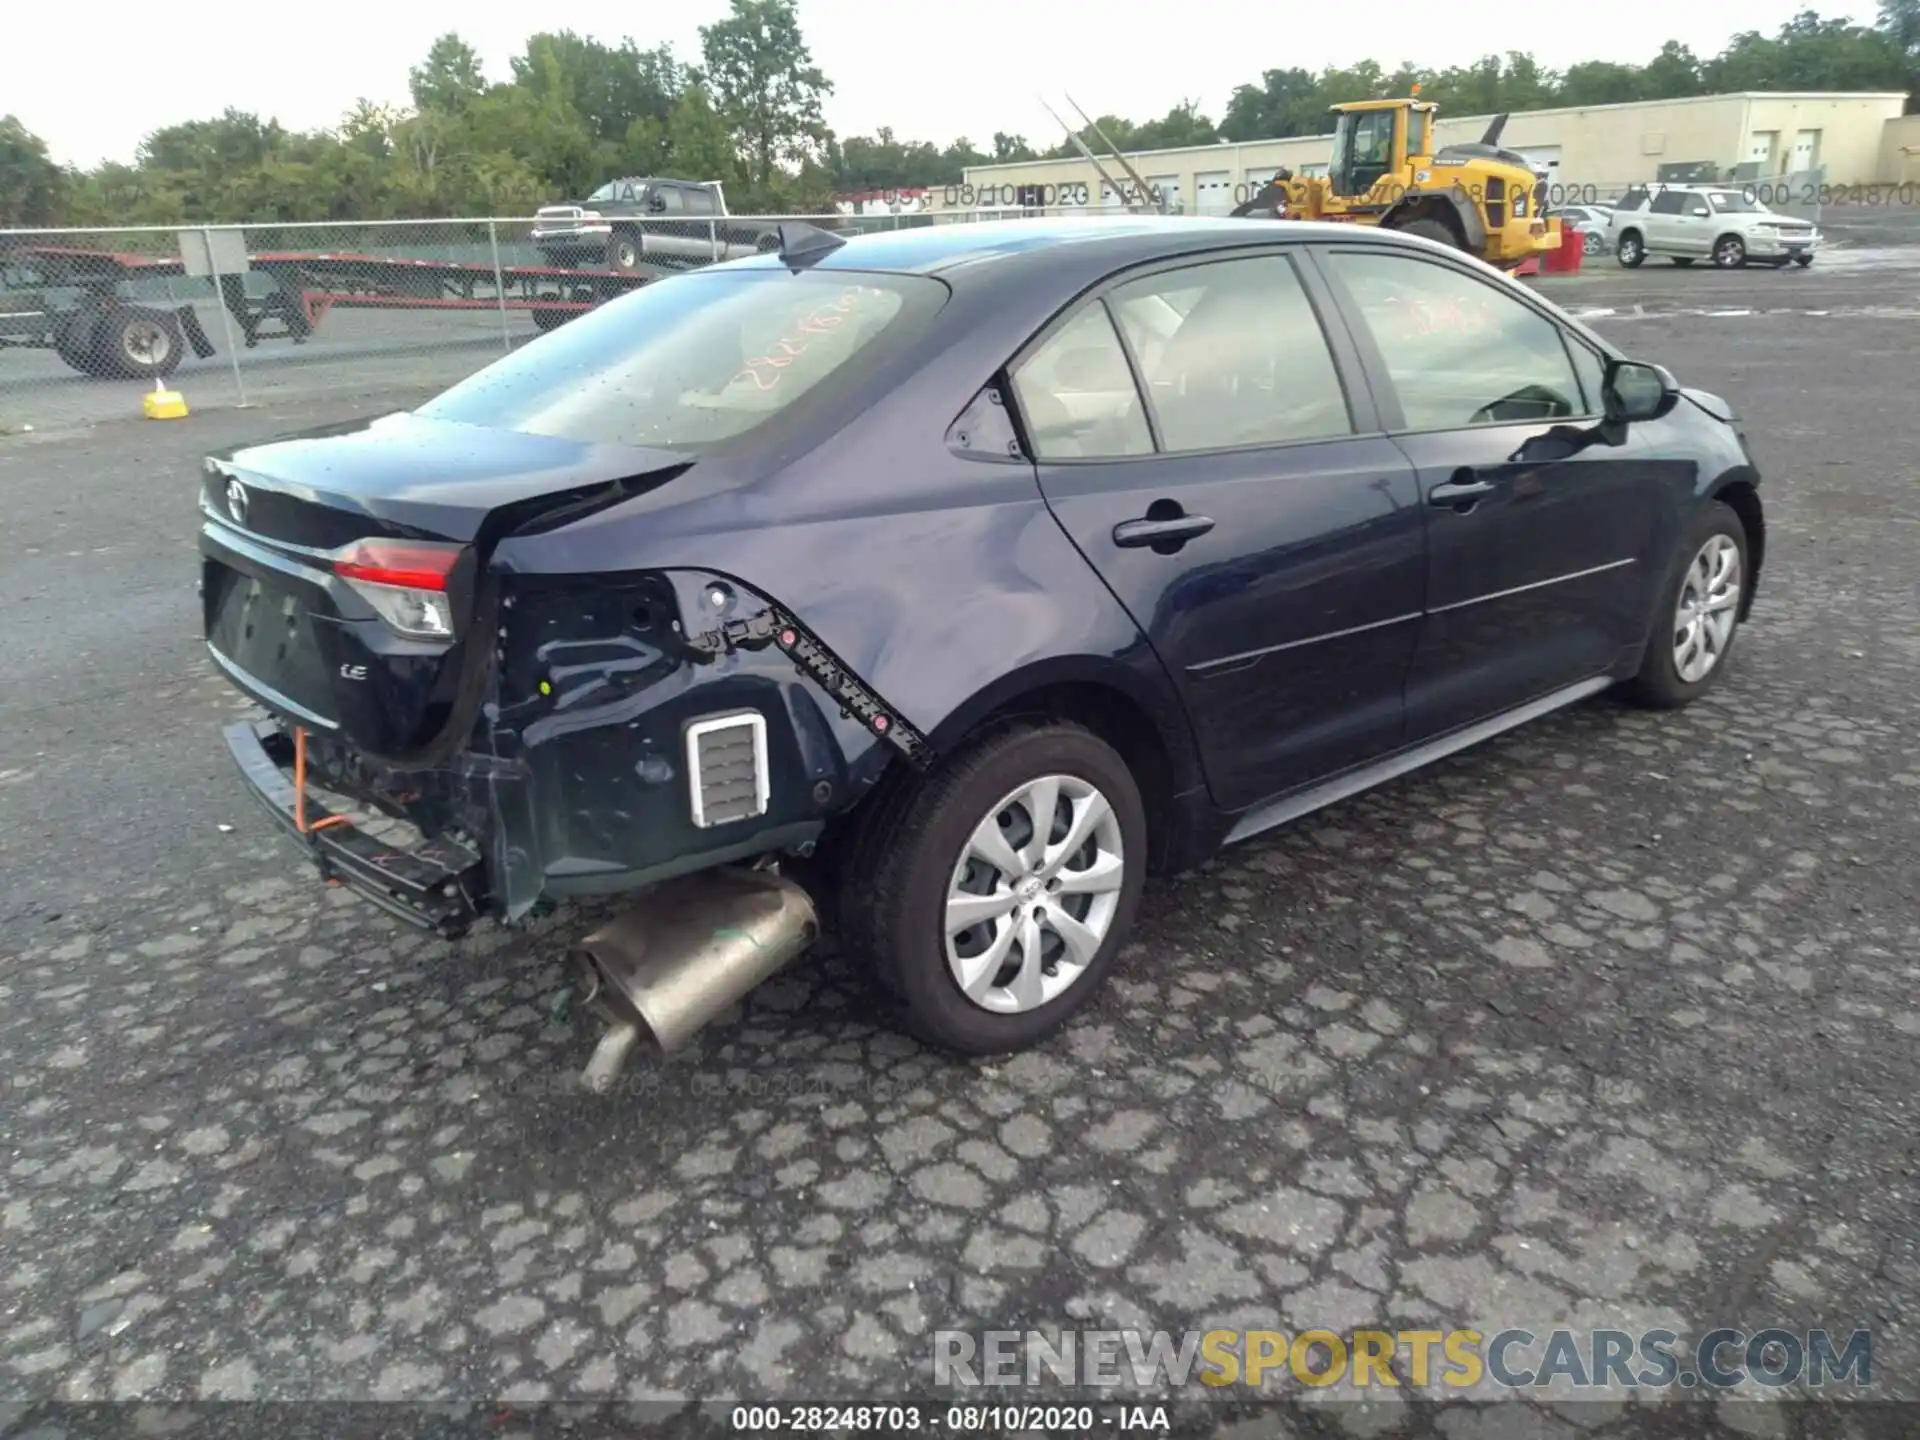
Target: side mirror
(1635, 390)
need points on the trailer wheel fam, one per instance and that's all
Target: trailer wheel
(544, 320)
(136, 342)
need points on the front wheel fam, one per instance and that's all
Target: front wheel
(1699, 613)
(1630, 251)
(1430, 230)
(1592, 243)
(1803, 261)
(1681, 262)
(991, 898)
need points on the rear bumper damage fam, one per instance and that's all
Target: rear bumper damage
(440, 885)
(613, 744)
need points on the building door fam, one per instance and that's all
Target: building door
(1168, 189)
(1213, 192)
(1761, 146)
(1806, 152)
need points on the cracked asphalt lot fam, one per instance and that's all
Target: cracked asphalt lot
(1610, 1022)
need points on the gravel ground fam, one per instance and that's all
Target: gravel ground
(1611, 1022)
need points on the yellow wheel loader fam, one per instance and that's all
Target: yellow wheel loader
(1476, 197)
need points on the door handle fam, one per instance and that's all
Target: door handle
(1172, 532)
(1462, 492)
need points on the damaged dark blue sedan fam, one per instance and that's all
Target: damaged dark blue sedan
(936, 586)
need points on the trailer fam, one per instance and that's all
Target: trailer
(79, 302)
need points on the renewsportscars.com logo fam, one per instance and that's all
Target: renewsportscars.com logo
(1515, 1359)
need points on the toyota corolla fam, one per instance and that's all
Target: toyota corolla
(937, 586)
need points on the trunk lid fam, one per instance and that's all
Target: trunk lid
(303, 640)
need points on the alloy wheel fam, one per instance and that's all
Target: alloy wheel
(1034, 894)
(1703, 617)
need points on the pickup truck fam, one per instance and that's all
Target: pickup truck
(630, 222)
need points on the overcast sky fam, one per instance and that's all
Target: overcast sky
(93, 92)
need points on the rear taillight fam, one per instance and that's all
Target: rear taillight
(405, 581)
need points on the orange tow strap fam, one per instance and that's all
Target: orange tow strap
(300, 779)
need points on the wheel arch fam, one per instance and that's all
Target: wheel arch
(1148, 729)
(1738, 491)
(1463, 222)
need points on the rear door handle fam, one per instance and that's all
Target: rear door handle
(1463, 490)
(1174, 531)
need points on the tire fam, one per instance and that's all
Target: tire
(136, 342)
(1729, 252)
(545, 320)
(1430, 230)
(1662, 684)
(911, 855)
(75, 342)
(1681, 262)
(624, 249)
(767, 243)
(1803, 261)
(1630, 250)
(1592, 243)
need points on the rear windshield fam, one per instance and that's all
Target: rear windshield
(696, 360)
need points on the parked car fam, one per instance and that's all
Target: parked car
(955, 578)
(1593, 221)
(1721, 223)
(641, 220)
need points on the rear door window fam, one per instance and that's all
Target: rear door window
(698, 360)
(1232, 354)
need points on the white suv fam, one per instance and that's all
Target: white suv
(1700, 222)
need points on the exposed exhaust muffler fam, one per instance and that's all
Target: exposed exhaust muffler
(685, 952)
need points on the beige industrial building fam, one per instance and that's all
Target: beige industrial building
(1586, 152)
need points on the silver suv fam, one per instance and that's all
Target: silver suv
(1698, 222)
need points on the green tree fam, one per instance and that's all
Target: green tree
(1673, 74)
(1599, 82)
(449, 79)
(33, 190)
(609, 87)
(765, 85)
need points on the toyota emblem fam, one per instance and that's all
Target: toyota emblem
(237, 501)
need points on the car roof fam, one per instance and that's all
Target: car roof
(1070, 243)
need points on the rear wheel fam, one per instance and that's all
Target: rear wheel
(991, 898)
(1592, 242)
(1682, 261)
(623, 252)
(1729, 252)
(1699, 615)
(1631, 250)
